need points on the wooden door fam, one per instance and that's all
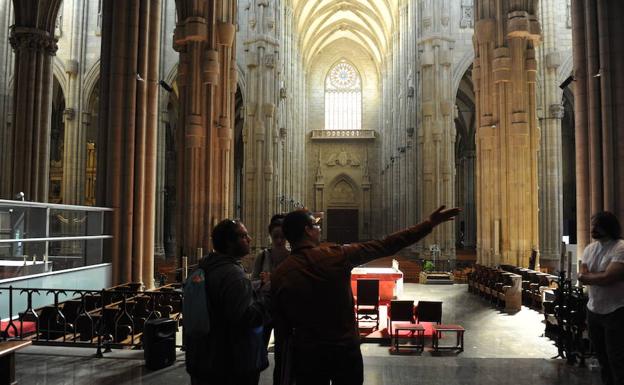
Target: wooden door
(342, 225)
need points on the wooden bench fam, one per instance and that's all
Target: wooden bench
(7, 360)
(500, 287)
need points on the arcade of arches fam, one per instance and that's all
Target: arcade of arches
(180, 113)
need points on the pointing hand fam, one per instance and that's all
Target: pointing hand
(442, 215)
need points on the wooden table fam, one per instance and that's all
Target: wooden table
(390, 281)
(7, 360)
(412, 328)
(437, 334)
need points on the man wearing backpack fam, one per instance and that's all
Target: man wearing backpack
(232, 351)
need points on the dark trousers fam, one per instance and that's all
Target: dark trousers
(250, 378)
(267, 334)
(606, 332)
(342, 365)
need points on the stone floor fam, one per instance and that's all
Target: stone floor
(500, 349)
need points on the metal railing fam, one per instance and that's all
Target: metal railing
(104, 319)
(70, 235)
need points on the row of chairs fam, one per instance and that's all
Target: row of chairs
(405, 311)
(534, 283)
(500, 287)
(119, 313)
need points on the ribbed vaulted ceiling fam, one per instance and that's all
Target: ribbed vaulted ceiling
(368, 23)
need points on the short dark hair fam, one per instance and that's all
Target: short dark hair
(609, 223)
(277, 220)
(295, 223)
(224, 232)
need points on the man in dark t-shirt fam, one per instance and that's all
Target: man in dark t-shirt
(316, 330)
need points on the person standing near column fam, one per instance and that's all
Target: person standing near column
(268, 260)
(232, 352)
(602, 269)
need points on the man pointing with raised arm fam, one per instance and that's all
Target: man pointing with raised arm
(313, 303)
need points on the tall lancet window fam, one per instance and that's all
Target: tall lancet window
(343, 98)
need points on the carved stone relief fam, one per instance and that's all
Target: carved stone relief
(466, 20)
(342, 193)
(568, 15)
(343, 158)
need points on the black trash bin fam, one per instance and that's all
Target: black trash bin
(159, 343)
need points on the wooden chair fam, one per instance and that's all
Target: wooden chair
(429, 311)
(367, 301)
(400, 311)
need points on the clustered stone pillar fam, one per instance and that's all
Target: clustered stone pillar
(597, 32)
(291, 116)
(32, 38)
(550, 155)
(466, 195)
(128, 134)
(161, 156)
(507, 136)
(75, 141)
(436, 135)
(6, 144)
(204, 37)
(260, 132)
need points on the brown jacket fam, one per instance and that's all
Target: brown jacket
(311, 289)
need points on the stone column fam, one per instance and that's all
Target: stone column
(291, 112)
(550, 155)
(507, 137)
(403, 85)
(367, 208)
(412, 108)
(260, 130)
(319, 186)
(551, 179)
(469, 214)
(161, 158)
(597, 31)
(387, 158)
(128, 134)
(6, 138)
(32, 39)
(394, 117)
(75, 142)
(437, 129)
(204, 36)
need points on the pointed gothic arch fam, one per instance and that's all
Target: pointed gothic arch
(343, 191)
(343, 210)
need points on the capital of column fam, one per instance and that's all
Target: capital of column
(24, 38)
(193, 28)
(521, 24)
(225, 34)
(224, 130)
(69, 113)
(556, 110)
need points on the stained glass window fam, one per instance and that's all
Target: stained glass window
(343, 98)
